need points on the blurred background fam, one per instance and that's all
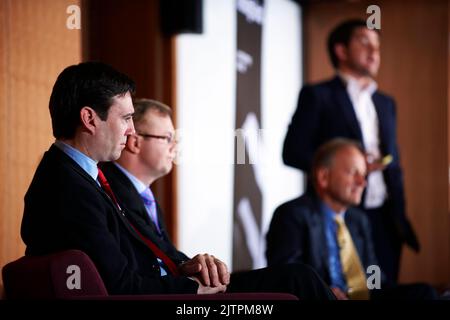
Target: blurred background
(184, 53)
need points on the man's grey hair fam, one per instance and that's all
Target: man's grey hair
(324, 156)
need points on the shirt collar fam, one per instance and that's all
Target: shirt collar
(330, 213)
(353, 85)
(138, 184)
(87, 164)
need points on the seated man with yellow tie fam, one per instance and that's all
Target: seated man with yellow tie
(323, 229)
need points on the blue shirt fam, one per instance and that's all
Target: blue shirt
(89, 165)
(337, 276)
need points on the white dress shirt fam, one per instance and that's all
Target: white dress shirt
(361, 98)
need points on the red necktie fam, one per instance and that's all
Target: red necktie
(160, 254)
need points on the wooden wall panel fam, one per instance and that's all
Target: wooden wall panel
(414, 70)
(3, 130)
(35, 45)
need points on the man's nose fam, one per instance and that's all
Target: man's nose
(130, 129)
(174, 147)
(361, 180)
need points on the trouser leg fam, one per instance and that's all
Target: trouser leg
(297, 279)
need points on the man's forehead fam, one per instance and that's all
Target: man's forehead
(349, 152)
(365, 32)
(123, 102)
(154, 117)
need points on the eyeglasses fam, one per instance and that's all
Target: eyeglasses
(169, 138)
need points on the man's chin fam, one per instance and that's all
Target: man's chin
(372, 72)
(115, 156)
(356, 202)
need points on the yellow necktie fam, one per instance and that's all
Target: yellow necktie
(351, 265)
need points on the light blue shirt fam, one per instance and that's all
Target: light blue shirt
(89, 165)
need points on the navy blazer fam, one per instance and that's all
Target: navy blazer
(297, 235)
(66, 209)
(325, 111)
(131, 200)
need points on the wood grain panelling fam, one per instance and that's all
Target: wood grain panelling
(3, 129)
(35, 46)
(414, 70)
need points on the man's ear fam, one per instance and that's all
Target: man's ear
(89, 119)
(133, 144)
(341, 51)
(322, 177)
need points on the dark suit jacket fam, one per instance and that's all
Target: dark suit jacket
(297, 235)
(66, 209)
(325, 111)
(124, 189)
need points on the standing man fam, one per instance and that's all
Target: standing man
(350, 106)
(147, 157)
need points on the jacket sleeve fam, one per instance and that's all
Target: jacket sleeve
(394, 178)
(301, 138)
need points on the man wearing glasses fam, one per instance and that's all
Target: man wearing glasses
(148, 156)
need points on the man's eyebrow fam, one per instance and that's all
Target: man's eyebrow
(128, 115)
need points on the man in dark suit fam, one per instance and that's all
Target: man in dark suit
(322, 229)
(148, 156)
(350, 106)
(70, 204)
(66, 206)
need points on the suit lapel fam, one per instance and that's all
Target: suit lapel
(136, 205)
(162, 225)
(126, 191)
(345, 104)
(131, 202)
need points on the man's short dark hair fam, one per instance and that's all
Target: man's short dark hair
(342, 34)
(92, 84)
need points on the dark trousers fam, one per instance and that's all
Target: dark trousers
(416, 291)
(387, 245)
(297, 279)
